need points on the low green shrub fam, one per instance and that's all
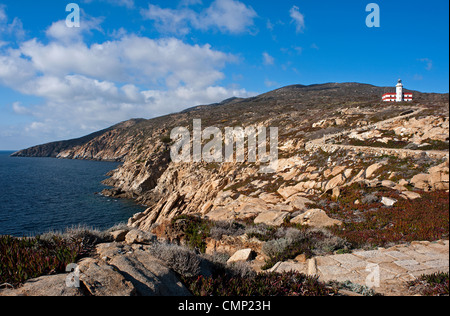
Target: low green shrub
(25, 258)
(310, 242)
(432, 285)
(263, 284)
(195, 230)
(374, 225)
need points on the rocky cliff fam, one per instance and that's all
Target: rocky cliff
(330, 136)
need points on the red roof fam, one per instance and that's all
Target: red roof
(386, 94)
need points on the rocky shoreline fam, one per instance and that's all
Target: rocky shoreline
(137, 263)
(348, 172)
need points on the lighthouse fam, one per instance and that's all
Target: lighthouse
(399, 91)
(399, 96)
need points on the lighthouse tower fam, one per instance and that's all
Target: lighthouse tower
(399, 91)
(399, 96)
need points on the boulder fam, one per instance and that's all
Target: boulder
(101, 279)
(336, 193)
(388, 183)
(315, 218)
(119, 235)
(50, 285)
(301, 258)
(439, 180)
(250, 210)
(421, 181)
(271, 218)
(109, 250)
(372, 169)
(287, 192)
(388, 201)
(299, 202)
(136, 236)
(337, 170)
(359, 177)
(335, 182)
(241, 255)
(149, 276)
(409, 195)
(269, 198)
(221, 214)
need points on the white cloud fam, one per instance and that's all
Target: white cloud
(3, 16)
(297, 18)
(14, 29)
(60, 32)
(267, 59)
(190, 2)
(428, 63)
(227, 16)
(87, 88)
(169, 20)
(270, 84)
(129, 4)
(130, 59)
(125, 3)
(19, 109)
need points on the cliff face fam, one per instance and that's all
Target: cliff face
(107, 145)
(237, 190)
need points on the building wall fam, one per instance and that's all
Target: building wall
(394, 98)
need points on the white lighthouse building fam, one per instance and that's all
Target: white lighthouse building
(399, 91)
(399, 96)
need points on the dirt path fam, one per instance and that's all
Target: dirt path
(384, 270)
(323, 144)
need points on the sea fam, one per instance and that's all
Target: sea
(39, 195)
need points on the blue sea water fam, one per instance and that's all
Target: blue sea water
(38, 195)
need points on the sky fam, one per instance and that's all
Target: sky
(143, 59)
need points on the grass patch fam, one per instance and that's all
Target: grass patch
(424, 219)
(26, 258)
(432, 285)
(435, 145)
(307, 241)
(263, 284)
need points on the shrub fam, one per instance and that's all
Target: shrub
(86, 237)
(263, 284)
(25, 258)
(432, 285)
(228, 228)
(166, 139)
(182, 260)
(295, 242)
(195, 230)
(357, 288)
(260, 231)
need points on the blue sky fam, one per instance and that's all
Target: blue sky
(136, 58)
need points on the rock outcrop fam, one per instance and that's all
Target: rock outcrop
(316, 126)
(118, 269)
